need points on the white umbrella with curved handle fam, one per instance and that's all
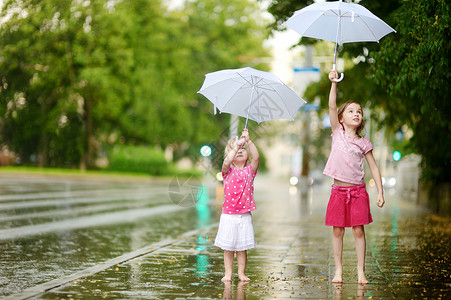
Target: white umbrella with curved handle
(338, 22)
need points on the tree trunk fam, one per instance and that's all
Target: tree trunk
(86, 158)
(44, 142)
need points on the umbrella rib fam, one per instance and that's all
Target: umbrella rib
(251, 83)
(233, 95)
(264, 88)
(283, 102)
(258, 105)
(357, 16)
(255, 84)
(248, 82)
(240, 81)
(366, 25)
(323, 14)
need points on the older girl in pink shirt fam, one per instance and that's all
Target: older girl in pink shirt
(235, 232)
(349, 202)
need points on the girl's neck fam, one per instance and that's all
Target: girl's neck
(351, 131)
(239, 166)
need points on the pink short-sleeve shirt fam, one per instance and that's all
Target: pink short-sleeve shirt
(238, 190)
(345, 161)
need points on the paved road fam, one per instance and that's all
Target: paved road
(128, 240)
(51, 227)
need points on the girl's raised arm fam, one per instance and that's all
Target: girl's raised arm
(229, 158)
(333, 113)
(253, 149)
(255, 156)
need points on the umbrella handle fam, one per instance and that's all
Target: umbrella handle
(341, 75)
(339, 79)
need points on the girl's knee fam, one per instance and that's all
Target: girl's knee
(339, 232)
(358, 231)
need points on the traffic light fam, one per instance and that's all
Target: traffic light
(205, 151)
(396, 156)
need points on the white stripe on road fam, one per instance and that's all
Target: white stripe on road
(66, 201)
(85, 222)
(73, 194)
(73, 211)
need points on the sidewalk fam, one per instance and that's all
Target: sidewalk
(407, 257)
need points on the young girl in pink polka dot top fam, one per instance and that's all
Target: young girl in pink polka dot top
(235, 232)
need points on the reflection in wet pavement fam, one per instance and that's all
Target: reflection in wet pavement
(27, 261)
(407, 257)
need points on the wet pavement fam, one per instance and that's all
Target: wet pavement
(142, 239)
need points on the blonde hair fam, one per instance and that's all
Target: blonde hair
(229, 147)
(343, 108)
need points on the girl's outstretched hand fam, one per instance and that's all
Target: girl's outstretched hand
(240, 142)
(380, 200)
(245, 135)
(333, 75)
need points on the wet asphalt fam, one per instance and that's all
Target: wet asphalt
(75, 238)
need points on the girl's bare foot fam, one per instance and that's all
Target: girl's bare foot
(338, 278)
(226, 278)
(244, 278)
(362, 278)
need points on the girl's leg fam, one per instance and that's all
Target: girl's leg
(337, 247)
(360, 248)
(241, 258)
(228, 265)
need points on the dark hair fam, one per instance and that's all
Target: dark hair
(343, 108)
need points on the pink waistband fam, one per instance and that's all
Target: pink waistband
(348, 188)
(350, 191)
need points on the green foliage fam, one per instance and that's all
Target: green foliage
(413, 67)
(283, 9)
(77, 76)
(138, 159)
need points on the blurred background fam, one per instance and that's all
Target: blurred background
(110, 86)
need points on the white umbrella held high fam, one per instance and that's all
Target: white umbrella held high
(339, 22)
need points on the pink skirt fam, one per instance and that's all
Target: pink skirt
(348, 206)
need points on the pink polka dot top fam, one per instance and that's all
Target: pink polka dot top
(238, 190)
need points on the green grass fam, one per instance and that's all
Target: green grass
(88, 173)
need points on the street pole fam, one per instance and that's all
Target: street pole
(305, 141)
(233, 129)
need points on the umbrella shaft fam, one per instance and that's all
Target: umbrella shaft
(336, 39)
(250, 104)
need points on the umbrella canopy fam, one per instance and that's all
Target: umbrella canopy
(339, 22)
(250, 93)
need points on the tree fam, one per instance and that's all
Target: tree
(66, 61)
(413, 67)
(80, 76)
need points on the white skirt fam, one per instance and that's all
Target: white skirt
(235, 232)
